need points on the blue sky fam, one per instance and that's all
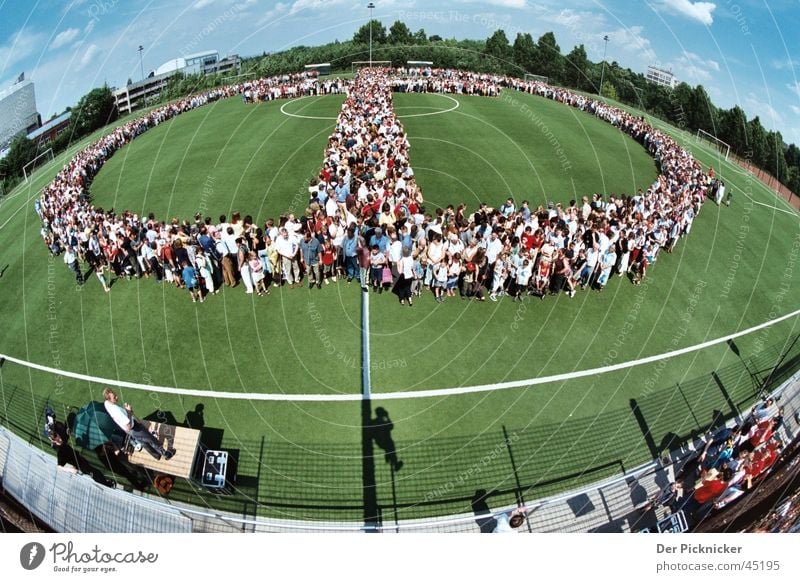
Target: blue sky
(742, 51)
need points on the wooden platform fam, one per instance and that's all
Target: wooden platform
(185, 442)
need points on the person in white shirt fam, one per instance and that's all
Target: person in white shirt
(287, 248)
(124, 418)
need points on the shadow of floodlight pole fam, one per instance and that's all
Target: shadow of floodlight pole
(372, 518)
(518, 485)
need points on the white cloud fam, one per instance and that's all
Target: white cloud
(502, 3)
(693, 69)
(796, 109)
(200, 4)
(315, 4)
(632, 40)
(699, 11)
(91, 52)
(64, 37)
(278, 10)
(19, 47)
(89, 27)
(757, 105)
(781, 64)
(794, 87)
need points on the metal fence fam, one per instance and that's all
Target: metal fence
(75, 503)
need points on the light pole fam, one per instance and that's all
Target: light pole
(371, 7)
(603, 69)
(141, 62)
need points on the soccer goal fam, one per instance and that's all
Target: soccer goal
(42, 159)
(715, 142)
(356, 65)
(540, 78)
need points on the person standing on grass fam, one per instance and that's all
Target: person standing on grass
(310, 250)
(258, 275)
(71, 261)
(607, 262)
(405, 270)
(206, 270)
(377, 262)
(328, 260)
(287, 248)
(523, 278)
(243, 255)
(189, 276)
(350, 250)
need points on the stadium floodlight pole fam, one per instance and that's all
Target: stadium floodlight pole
(141, 62)
(371, 7)
(603, 69)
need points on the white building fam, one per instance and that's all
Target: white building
(18, 113)
(204, 62)
(661, 77)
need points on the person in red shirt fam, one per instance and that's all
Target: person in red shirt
(328, 255)
(711, 488)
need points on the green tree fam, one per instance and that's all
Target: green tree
(524, 52)
(575, 74)
(701, 111)
(680, 105)
(378, 33)
(93, 111)
(758, 142)
(776, 160)
(549, 60)
(609, 91)
(421, 38)
(21, 151)
(499, 50)
(733, 130)
(793, 179)
(399, 34)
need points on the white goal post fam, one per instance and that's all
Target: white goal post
(35, 164)
(718, 144)
(356, 65)
(540, 78)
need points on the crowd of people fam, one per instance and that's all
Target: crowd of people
(290, 87)
(730, 464)
(365, 220)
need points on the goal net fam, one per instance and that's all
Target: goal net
(540, 78)
(703, 137)
(42, 159)
(356, 65)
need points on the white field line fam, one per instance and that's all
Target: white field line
(402, 395)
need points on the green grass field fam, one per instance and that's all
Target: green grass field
(305, 459)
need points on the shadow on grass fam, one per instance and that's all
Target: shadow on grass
(368, 483)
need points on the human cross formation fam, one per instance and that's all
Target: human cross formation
(366, 219)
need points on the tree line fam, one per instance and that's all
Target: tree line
(684, 106)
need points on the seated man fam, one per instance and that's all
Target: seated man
(124, 418)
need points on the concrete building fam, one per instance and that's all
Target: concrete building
(138, 94)
(661, 77)
(18, 113)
